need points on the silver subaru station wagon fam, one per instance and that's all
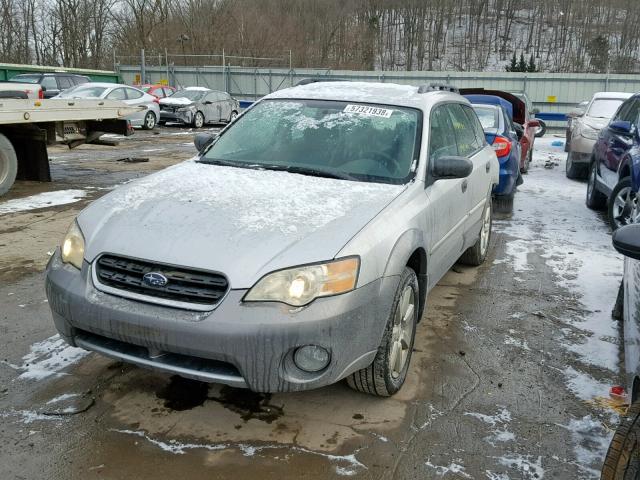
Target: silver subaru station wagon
(295, 250)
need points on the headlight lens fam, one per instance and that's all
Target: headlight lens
(589, 132)
(299, 286)
(73, 246)
(185, 109)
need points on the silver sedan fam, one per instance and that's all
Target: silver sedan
(145, 118)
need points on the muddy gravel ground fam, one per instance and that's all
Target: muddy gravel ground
(510, 376)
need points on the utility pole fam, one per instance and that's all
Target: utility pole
(143, 68)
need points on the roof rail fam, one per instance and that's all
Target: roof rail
(437, 87)
(307, 81)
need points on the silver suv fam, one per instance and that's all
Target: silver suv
(295, 250)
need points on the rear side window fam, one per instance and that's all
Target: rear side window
(475, 123)
(64, 82)
(465, 131)
(49, 83)
(79, 80)
(132, 93)
(117, 94)
(442, 140)
(167, 91)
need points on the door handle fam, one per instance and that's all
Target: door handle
(488, 167)
(464, 186)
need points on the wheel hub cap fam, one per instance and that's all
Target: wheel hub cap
(623, 205)
(402, 332)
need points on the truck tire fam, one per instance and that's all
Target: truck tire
(384, 377)
(623, 457)
(477, 254)
(8, 164)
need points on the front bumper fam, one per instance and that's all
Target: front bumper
(581, 148)
(239, 344)
(175, 116)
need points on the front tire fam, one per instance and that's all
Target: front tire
(477, 254)
(574, 171)
(621, 204)
(149, 122)
(388, 371)
(623, 457)
(198, 120)
(595, 199)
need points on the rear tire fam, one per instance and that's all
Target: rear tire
(149, 122)
(503, 203)
(595, 199)
(8, 164)
(477, 254)
(575, 171)
(620, 207)
(388, 371)
(623, 457)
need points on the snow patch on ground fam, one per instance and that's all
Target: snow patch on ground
(500, 432)
(454, 468)
(29, 416)
(42, 200)
(48, 358)
(591, 441)
(528, 466)
(63, 397)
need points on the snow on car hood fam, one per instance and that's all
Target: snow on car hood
(241, 222)
(176, 101)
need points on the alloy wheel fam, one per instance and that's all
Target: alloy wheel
(403, 324)
(150, 121)
(623, 206)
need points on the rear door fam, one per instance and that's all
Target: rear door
(447, 213)
(211, 107)
(226, 106)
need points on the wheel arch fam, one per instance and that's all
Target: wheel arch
(635, 389)
(409, 251)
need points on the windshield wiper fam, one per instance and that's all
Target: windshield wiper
(315, 172)
(224, 163)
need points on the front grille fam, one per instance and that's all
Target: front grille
(167, 108)
(183, 284)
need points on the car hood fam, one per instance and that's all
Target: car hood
(241, 222)
(182, 101)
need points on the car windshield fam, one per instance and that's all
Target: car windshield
(189, 94)
(488, 116)
(25, 78)
(363, 142)
(604, 107)
(83, 91)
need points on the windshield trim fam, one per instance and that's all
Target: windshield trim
(417, 149)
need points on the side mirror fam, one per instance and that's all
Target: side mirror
(622, 127)
(449, 167)
(44, 89)
(626, 240)
(576, 112)
(203, 140)
(535, 111)
(207, 102)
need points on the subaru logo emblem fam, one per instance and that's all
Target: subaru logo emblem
(155, 279)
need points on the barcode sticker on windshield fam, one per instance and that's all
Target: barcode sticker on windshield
(368, 110)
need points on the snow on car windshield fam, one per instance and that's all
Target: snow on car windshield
(365, 142)
(604, 107)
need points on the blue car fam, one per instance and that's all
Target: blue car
(623, 457)
(614, 169)
(495, 115)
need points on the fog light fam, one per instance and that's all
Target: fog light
(311, 358)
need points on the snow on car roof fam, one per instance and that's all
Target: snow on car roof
(201, 89)
(366, 92)
(622, 95)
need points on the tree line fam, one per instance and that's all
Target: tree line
(462, 35)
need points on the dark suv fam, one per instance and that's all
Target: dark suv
(614, 171)
(52, 83)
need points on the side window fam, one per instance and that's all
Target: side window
(464, 130)
(631, 112)
(624, 111)
(80, 80)
(64, 82)
(117, 94)
(475, 123)
(49, 83)
(132, 93)
(212, 97)
(167, 91)
(442, 140)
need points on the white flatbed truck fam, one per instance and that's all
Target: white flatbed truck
(27, 127)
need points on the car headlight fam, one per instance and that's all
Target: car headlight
(589, 132)
(73, 246)
(299, 286)
(185, 109)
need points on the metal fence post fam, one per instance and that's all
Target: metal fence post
(143, 69)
